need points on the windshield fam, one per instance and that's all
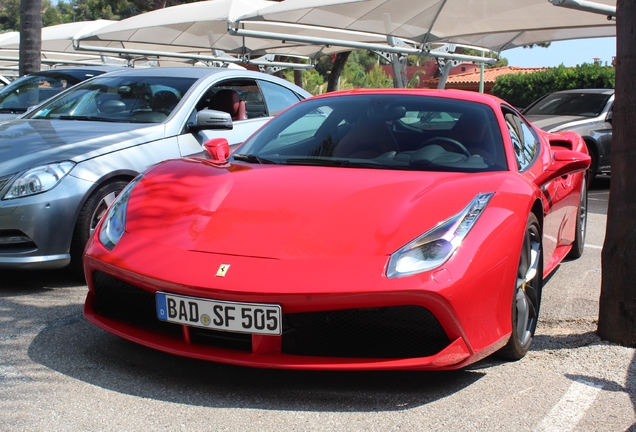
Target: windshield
(571, 104)
(381, 131)
(29, 91)
(118, 99)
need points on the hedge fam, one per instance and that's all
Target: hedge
(523, 88)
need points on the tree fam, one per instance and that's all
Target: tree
(336, 70)
(617, 308)
(30, 36)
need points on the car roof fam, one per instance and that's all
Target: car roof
(590, 91)
(77, 71)
(466, 95)
(185, 71)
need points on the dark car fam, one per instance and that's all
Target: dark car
(17, 97)
(587, 112)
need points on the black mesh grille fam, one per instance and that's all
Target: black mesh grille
(125, 302)
(389, 332)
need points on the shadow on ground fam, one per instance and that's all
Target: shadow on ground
(76, 348)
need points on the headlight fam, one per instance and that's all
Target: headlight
(39, 179)
(114, 221)
(435, 247)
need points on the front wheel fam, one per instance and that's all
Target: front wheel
(92, 212)
(526, 298)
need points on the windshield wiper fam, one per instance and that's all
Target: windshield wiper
(334, 162)
(252, 158)
(12, 110)
(88, 118)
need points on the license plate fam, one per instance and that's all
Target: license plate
(219, 315)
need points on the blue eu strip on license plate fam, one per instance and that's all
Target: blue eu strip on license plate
(237, 317)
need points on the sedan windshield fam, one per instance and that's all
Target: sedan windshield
(382, 131)
(118, 99)
(572, 104)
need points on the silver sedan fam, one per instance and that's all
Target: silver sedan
(63, 163)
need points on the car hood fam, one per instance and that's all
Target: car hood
(550, 123)
(26, 143)
(284, 212)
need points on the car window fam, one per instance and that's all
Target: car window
(574, 104)
(29, 91)
(247, 91)
(382, 131)
(118, 99)
(277, 97)
(524, 140)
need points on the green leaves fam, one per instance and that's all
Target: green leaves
(522, 89)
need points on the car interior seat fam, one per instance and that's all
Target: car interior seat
(473, 131)
(163, 101)
(369, 137)
(230, 102)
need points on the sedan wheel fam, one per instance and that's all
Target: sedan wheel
(527, 294)
(93, 211)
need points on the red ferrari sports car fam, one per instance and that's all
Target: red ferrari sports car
(364, 229)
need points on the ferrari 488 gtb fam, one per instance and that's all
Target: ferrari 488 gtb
(366, 229)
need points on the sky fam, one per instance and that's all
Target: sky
(568, 53)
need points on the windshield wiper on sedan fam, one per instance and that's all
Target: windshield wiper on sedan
(252, 158)
(88, 118)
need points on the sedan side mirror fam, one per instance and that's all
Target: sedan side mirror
(212, 119)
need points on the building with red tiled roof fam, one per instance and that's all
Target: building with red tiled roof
(470, 80)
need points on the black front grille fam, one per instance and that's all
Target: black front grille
(119, 300)
(388, 332)
(122, 301)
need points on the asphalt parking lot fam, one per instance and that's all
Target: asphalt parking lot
(58, 372)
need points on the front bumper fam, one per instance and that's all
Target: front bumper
(392, 337)
(36, 231)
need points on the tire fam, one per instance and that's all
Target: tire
(581, 225)
(591, 172)
(92, 212)
(526, 297)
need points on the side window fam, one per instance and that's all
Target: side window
(277, 97)
(524, 141)
(241, 98)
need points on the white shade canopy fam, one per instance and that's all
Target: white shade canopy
(493, 24)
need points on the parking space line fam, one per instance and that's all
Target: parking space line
(571, 408)
(593, 246)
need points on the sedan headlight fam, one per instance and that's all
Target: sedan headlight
(39, 179)
(435, 247)
(114, 221)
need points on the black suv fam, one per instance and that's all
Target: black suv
(585, 111)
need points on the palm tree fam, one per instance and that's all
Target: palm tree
(617, 310)
(30, 36)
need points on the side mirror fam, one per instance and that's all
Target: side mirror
(608, 118)
(218, 148)
(212, 119)
(564, 162)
